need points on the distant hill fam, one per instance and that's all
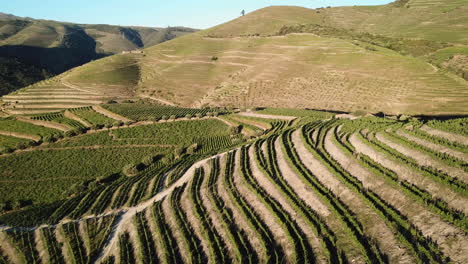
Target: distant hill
(397, 58)
(50, 47)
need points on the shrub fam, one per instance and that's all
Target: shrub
(128, 123)
(188, 116)
(172, 117)
(130, 170)
(192, 148)
(118, 124)
(214, 58)
(148, 160)
(178, 152)
(199, 115)
(48, 139)
(21, 145)
(164, 117)
(215, 114)
(4, 150)
(70, 133)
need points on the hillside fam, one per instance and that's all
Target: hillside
(345, 58)
(54, 47)
(307, 187)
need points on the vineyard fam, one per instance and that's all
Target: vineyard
(312, 190)
(140, 112)
(59, 118)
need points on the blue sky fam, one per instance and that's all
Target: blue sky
(191, 13)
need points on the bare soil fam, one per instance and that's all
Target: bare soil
(433, 146)
(451, 240)
(276, 228)
(406, 173)
(423, 159)
(450, 136)
(273, 191)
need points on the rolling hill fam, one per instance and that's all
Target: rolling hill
(359, 58)
(51, 47)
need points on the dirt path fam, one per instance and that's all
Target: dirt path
(44, 123)
(433, 146)
(406, 173)
(20, 135)
(450, 136)
(128, 213)
(344, 241)
(110, 114)
(9, 250)
(423, 159)
(268, 218)
(280, 117)
(450, 239)
(273, 191)
(239, 219)
(72, 116)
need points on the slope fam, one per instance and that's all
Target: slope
(55, 47)
(296, 57)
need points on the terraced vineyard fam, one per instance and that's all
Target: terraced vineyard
(50, 96)
(314, 189)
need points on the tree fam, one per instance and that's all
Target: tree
(148, 160)
(130, 170)
(243, 12)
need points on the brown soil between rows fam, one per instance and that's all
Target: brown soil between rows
(423, 159)
(450, 136)
(215, 218)
(433, 146)
(239, 219)
(276, 229)
(450, 239)
(175, 230)
(155, 233)
(189, 208)
(8, 249)
(131, 228)
(344, 241)
(273, 191)
(40, 246)
(59, 235)
(438, 190)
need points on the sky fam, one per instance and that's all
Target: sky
(199, 14)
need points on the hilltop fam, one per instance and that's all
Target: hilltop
(32, 50)
(359, 58)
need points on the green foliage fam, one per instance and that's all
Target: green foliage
(141, 111)
(11, 125)
(457, 125)
(94, 118)
(130, 170)
(15, 74)
(56, 171)
(59, 118)
(413, 47)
